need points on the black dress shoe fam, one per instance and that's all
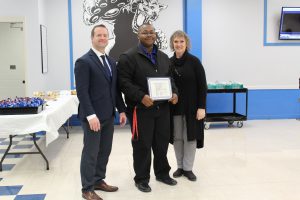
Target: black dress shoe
(167, 180)
(143, 187)
(190, 175)
(178, 173)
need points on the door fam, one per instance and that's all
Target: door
(12, 59)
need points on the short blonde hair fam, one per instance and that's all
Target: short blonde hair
(180, 33)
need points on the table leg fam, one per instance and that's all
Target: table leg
(14, 153)
(39, 150)
(66, 128)
(6, 152)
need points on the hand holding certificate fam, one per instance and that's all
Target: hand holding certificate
(147, 101)
(160, 88)
(174, 99)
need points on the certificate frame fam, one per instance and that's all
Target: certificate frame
(159, 88)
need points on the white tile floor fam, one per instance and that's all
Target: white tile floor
(260, 161)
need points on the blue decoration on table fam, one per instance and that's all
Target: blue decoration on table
(21, 102)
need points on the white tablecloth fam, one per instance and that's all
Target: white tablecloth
(49, 120)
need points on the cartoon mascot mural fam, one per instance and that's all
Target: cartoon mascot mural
(123, 18)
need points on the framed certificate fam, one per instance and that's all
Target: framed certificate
(160, 88)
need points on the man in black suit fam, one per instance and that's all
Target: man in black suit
(98, 94)
(149, 119)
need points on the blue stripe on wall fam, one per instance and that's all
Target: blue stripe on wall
(71, 44)
(262, 104)
(274, 104)
(193, 25)
(223, 103)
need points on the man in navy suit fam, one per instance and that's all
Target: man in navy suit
(98, 94)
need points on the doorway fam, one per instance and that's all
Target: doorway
(12, 58)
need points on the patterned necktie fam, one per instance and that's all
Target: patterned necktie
(106, 68)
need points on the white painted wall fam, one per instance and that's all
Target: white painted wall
(56, 18)
(42, 11)
(233, 47)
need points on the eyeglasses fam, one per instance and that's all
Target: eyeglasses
(148, 33)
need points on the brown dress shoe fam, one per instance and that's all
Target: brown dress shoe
(104, 187)
(91, 195)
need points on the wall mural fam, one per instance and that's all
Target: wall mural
(123, 18)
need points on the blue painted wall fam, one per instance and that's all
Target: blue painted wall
(274, 104)
(262, 104)
(193, 25)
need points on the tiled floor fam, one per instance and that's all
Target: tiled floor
(12, 191)
(260, 161)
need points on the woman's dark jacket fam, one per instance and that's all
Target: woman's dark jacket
(190, 79)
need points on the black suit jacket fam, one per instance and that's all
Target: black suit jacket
(97, 93)
(133, 69)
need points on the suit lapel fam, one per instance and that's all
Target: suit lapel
(99, 64)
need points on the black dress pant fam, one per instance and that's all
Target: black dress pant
(154, 133)
(95, 153)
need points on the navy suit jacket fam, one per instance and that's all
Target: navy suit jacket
(97, 92)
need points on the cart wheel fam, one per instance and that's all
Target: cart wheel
(230, 122)
(206, 126)
(240, 124)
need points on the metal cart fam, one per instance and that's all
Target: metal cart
(229, 117)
